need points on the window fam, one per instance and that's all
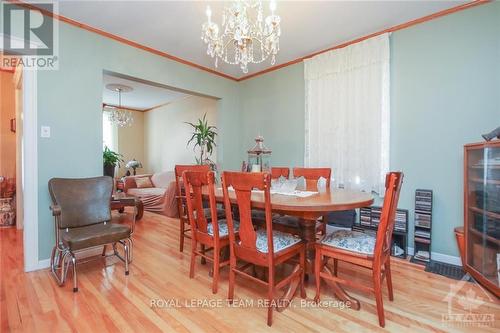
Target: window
(347, 113)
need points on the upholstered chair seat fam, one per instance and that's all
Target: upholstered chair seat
(281, 240)
(221, 213)
(223, 228)
(351, 240)
(290, 224)
(287, 221)
(261, 215)
(94, 235)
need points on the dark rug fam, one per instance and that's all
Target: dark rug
(450, 271)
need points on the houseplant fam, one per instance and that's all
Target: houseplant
(203, 137)
(111, 159)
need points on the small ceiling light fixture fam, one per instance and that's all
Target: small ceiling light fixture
(117, 114)
(246, 37)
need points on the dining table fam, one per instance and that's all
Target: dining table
(308, 209)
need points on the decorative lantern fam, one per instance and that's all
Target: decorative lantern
(259, 157)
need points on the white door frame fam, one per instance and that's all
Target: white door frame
(30, 167)
(30, 171)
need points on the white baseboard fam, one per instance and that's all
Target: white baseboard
(42, 264)
(436, 256)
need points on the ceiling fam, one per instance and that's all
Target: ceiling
(174, 27)
(142, 98)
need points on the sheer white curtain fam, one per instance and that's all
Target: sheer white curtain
(348, 113)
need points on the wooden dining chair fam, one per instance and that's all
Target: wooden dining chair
(262, 247)
(277, 172)
(211, 234)
(312, 175)
(363, 249)
(181, 201)
(258, 215)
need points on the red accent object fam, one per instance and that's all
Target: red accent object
(120, 185)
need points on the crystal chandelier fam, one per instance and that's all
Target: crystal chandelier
(246, 37)
(118, 115)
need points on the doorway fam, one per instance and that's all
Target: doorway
(11, 115)
(148, 125)
(19, 159)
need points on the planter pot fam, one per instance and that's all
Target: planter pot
(109, 170)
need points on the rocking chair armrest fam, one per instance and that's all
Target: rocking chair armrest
(56, 210)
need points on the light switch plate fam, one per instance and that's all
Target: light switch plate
(45, 132)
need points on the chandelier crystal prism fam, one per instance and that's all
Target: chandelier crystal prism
(116, 114)
(245, 36)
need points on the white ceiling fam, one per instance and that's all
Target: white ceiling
(143, 97)
(174, 27)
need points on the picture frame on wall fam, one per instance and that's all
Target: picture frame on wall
(13, 125)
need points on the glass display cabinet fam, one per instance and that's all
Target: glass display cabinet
(482, 213)
(259, 157)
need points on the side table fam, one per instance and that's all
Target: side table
(120, 200)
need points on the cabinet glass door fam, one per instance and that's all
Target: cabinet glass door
(484, 212)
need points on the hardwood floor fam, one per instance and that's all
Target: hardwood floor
(109, 301)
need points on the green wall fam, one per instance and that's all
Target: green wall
(272, 105)
(445, 92)
(69, 101)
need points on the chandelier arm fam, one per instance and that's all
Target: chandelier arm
(244, 26)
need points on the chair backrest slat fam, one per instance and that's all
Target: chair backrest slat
(83, 201)
(194, 182)
(179, 189)
(277, 172)
(313, 174)
(393, 185)
(242, 183)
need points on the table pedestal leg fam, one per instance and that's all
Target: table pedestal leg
(308, 234)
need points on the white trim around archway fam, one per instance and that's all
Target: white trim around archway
(29, 167)
(30, 171)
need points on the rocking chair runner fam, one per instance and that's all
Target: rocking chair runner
(261, 247)
(82, 218)
(363, 250)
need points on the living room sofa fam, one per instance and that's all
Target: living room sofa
(160, 198)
